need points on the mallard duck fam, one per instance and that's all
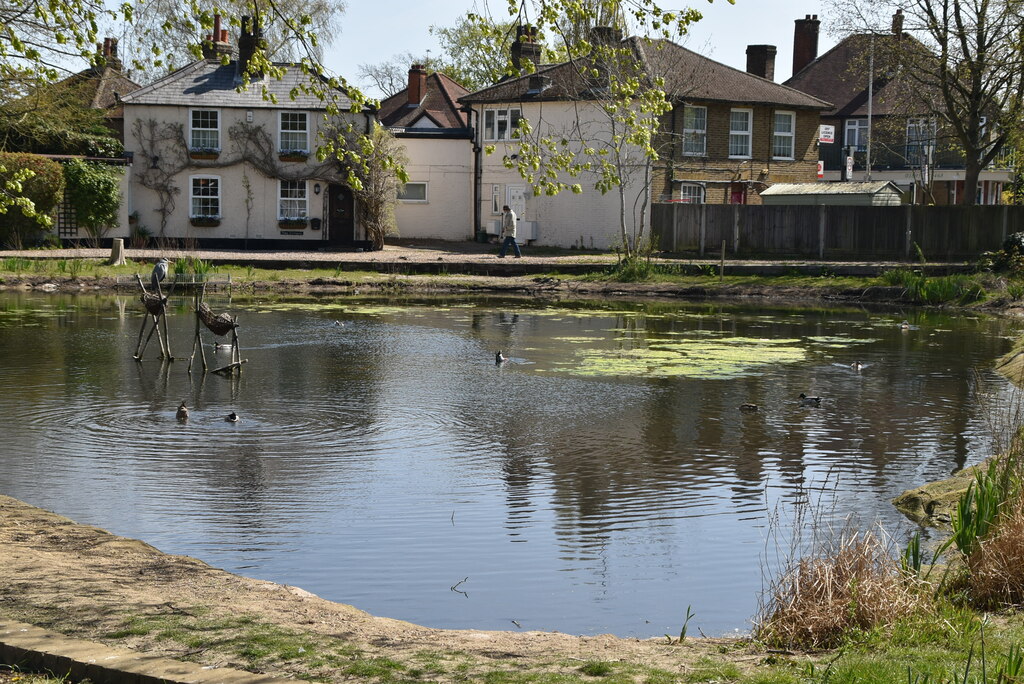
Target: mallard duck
(500, 358)
(748, 407)
(809, 401)
(182, 413)
(232, 417)
(856, 365)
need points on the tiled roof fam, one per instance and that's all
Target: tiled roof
(208, 83)
(842, 188)
(688, 76)
(840, 76)
(96, 87)
(440, 104)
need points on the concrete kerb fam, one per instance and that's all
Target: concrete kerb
(34, 649)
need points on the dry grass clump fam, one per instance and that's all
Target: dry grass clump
(851, 583)
(996, 567)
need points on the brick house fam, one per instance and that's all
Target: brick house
(729, 133)
(907, 146)
(437, 201)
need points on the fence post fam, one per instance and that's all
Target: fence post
(703, 226)
(1006, 220)
(735, 229)
(910, 233)
(821, 231)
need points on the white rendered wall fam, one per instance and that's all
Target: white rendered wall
(446, 166)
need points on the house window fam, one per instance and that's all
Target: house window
(920, 141)
(857, 134)
(500, 124)
(413, 192)
(691, 193)
(695, 131)
(740, 128)
(782, 137)
(294, 132)
(204, 127)
(205, 196)
(292, 202)
(495, 199)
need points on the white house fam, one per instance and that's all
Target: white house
(229, 168)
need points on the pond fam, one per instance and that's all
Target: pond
(602, 480)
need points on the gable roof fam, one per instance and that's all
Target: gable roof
(689, 76)
(841, 75)
(439, 104)
(99, 88)
(208, 83)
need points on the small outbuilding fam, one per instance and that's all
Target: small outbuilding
(864, 194)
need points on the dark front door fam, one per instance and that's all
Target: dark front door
(341, 223)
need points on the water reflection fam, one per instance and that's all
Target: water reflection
(383, 461)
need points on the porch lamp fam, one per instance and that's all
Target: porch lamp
(316, 188)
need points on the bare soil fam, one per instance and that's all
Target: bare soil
(85, 582)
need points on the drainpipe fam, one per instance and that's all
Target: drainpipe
(477, 170)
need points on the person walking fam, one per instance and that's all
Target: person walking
(508, 231)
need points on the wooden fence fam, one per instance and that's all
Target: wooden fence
(947, 233)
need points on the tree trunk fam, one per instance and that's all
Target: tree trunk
(971, 174)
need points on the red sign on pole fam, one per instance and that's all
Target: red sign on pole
(821, 169)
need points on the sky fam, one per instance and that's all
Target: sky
(369, 36)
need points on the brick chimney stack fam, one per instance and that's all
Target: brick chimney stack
(248, 43)
(525, 48)
(216, 43)
(805, 42)
(761, 61)
(108, 51)
(897, 23)
(417, 85)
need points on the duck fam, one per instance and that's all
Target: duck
(905, 325)
(500, 358)
(338, 324)
(857, 366)
(182, 413)
(748, 407)
(809, 401)
(232, 417)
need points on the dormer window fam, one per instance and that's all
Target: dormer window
(294, 134)
(204, 130)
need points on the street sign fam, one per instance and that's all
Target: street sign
(826, 134)
(821, 169)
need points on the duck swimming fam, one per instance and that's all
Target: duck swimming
(809, 401)
(182, 413)
(905, 325)
(500, 358)
(856, 365)
(232, 417)
(750, 408)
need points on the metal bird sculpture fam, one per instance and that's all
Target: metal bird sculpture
(159, 273)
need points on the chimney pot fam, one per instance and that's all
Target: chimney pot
(525, 47)
(897, 23)
(761, 61)
(805, 42)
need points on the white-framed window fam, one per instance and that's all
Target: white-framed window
(204, 196)
(204, 129)
(691, 193)
(920, 140)
(500, 124)
(414, 191)
(695, 131)
(857, 134)
(783, 135)
(294, 134)
(495, 199)
(293, 199)
(741, 126)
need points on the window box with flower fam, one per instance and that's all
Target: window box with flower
(203, 153)
(205, 221)
(293, 155)
(292, 222)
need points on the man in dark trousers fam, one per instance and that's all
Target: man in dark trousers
(508, 232)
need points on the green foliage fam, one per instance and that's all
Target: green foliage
(924, 290)
(979, 506)
(597, 668)
(93, 189)
(30, 187)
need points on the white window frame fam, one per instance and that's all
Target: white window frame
(784, 138)
(414, 200)
(691, 193)
(203, 130)
(737, 134)
(282, 132)
(695, 140)
(921, 134)
(193, 196)
(495, 199)
(856, 134)
(500, 123)
(298, 207)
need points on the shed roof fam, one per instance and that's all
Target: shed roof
(840, 188)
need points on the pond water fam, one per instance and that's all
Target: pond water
(602, 480)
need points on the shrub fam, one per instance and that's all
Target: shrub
(851, 583)
(93, 190)
(44, 188)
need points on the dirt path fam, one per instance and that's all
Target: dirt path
(85, 582)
